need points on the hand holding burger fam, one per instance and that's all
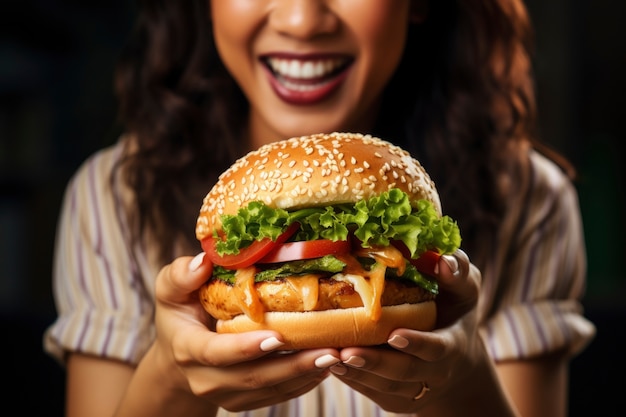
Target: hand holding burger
(331, 240)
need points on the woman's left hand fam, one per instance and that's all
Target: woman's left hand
(420, 368)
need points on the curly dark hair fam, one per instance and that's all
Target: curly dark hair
(461, 100)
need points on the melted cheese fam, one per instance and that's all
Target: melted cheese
(246, 295)
(308, 287)
(368, 284)
(361, 286)
(389, 256)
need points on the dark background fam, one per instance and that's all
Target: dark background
(57, 107)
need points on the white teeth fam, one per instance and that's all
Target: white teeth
(302, 87)
(298, 69)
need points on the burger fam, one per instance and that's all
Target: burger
(329, 239)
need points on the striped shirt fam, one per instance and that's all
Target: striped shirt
(529, 305)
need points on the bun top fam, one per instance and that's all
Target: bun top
(316, 170)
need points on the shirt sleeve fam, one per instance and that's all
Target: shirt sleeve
(543, 277)
(103, 307)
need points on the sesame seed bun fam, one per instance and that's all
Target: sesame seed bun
(357, 307)
(316, 170)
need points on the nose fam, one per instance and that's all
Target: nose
(303, 19)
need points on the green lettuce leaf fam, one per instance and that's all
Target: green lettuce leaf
(412, 274)
(326, 263)
(375, 222)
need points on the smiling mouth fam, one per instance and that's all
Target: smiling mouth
(306, 81)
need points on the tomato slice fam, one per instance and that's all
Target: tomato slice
(425, 263)
(248, 255)
(293, 251)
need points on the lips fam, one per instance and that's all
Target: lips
(306, 80)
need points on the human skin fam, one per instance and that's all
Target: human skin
(368, 35)
(190, 370)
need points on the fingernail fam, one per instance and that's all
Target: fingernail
(356, 361)
(196, 262)
(452, 263)
(270, 344)
(398, 342)
(326, 361)
(338, 369)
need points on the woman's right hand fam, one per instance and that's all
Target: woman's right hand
(233, 371)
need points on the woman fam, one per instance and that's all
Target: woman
(200, 84)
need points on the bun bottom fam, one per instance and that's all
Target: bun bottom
(337, 328)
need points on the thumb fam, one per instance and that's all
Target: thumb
(459, 287)
(178, 281)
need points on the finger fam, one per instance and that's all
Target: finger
(262, 374)
(411, 351)
(388, 364)
(452, 267)
(395, 397)
(282, 367)
(247, 400)
(428, 346)
(177, 281)
(200, 345)
(459, 287)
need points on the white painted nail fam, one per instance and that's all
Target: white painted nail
(339, 369)
(452, 263)
(356, 361)
(398, 342)
(270, 344)
(196, 262)
(325, 361)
